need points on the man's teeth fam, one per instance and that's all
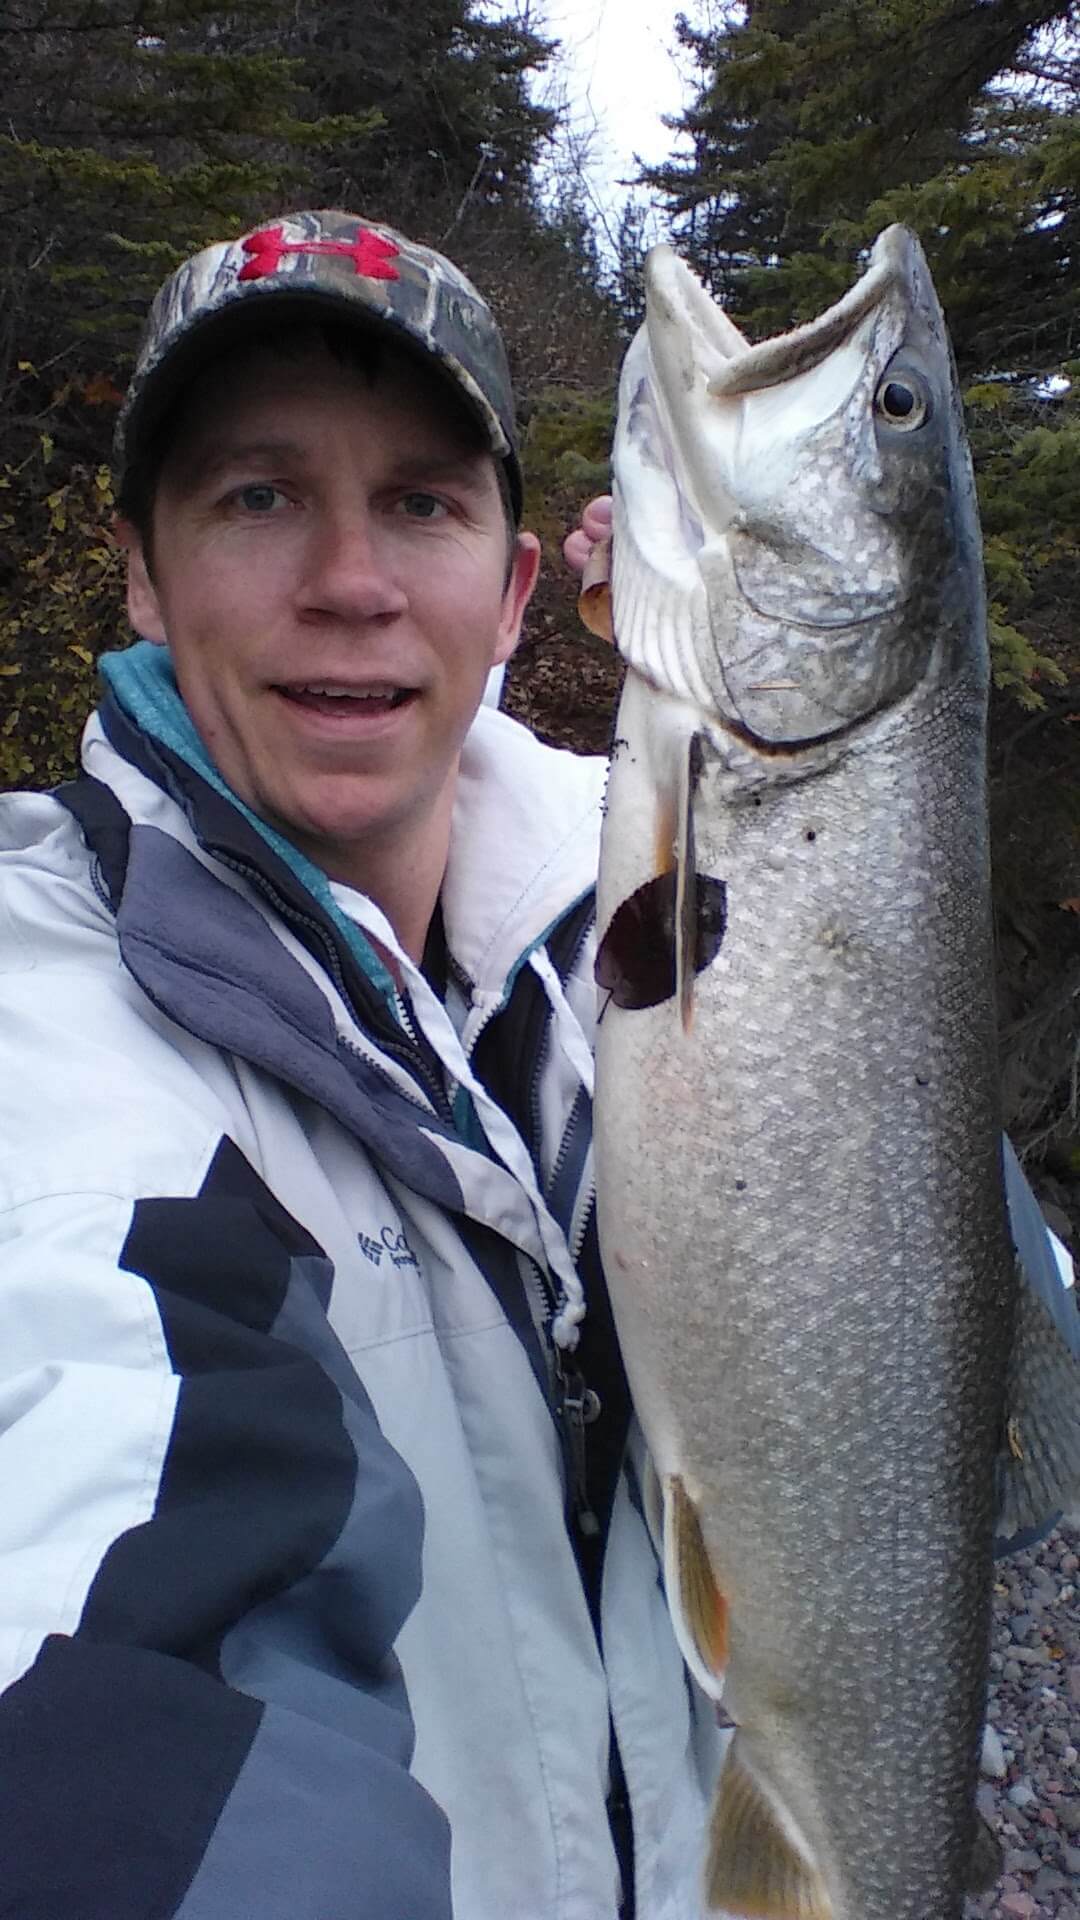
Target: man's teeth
(351, 693)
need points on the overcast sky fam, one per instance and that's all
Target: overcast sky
(620, 72)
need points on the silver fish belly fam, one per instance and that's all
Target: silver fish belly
(798, 1141)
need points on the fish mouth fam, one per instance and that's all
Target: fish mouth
(678, 303)
(893, 262)
(715, 390)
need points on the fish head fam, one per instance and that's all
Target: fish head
(796, 535)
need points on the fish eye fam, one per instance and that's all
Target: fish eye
(902, 402)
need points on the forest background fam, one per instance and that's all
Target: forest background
(133, 131)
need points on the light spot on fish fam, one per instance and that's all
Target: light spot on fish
(836, 939)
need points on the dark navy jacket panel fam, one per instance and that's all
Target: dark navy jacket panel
(321, 1645)
(351, 1837)
(282, 1556)
(117, 1764)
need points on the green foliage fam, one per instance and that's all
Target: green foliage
(1026, 446)
(567, 456)
(459, 131)
(60, 606)
(124, 148)
(815, 126)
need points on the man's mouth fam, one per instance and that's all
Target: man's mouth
(347, 702)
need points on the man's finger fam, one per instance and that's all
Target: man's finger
(576, 549)
(595, 526)
(596, 518)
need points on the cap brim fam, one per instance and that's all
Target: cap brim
(207, 338)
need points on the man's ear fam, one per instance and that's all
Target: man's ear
(144, 607)
(519, 590)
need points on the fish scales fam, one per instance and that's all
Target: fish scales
(798, 1158)
(837, 1411)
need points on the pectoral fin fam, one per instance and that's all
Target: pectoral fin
(758, 1864)
(636, 959)
(699, 1611)
(686, 885)
(1039, 1460)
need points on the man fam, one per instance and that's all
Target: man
(327, 1591)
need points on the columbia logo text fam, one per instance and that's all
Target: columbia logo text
(391, 1243)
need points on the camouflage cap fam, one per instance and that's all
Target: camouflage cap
(330, 263)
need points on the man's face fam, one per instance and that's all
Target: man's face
(330, 575)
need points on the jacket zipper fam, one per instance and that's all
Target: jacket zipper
(534, 1083)
(407, 1054)
(576, 1404)
(588, 1198)
(577, 1407)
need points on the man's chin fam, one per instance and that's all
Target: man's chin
(335, 834)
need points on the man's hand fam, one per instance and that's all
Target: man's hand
(587, 551)
(595, 528)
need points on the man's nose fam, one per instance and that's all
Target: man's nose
(349, 571)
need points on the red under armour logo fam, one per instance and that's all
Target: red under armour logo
(370, 253)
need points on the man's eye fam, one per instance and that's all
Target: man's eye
(260, 497)
(423, 506)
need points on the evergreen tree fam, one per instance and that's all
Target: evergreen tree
(127, 143)
(817, 122)
(630, 251)
(457, 129)
(130, 141)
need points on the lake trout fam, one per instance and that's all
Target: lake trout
(798, 1141)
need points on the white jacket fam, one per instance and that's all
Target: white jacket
(291, 1622)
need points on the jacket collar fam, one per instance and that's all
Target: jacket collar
(524, 833)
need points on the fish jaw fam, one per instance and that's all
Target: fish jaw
(786, 556)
